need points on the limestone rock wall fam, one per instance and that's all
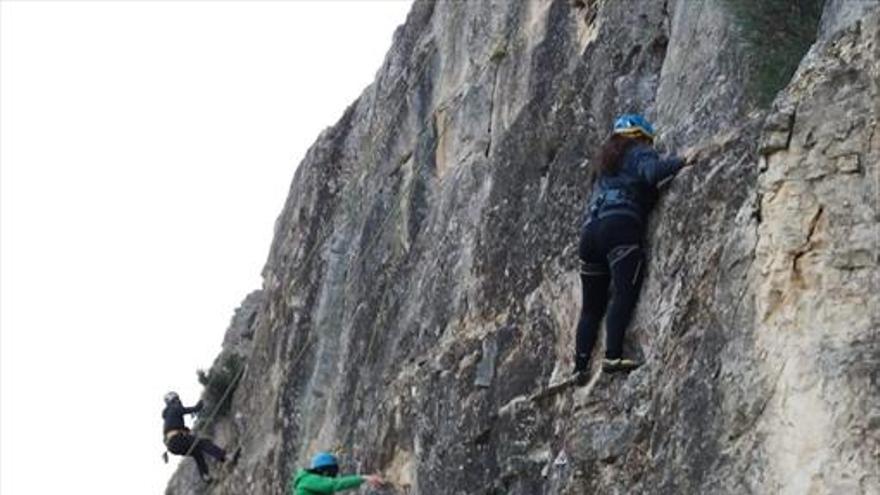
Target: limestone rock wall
(421, 291)
(817, 287)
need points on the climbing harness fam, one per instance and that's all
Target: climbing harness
(171, 433)
(612, 202)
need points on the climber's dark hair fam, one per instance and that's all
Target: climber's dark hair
(330, 471)
(610, 156)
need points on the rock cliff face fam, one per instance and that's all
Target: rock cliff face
(421, 291)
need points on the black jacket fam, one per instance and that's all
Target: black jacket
(632, 190)
(173, 415)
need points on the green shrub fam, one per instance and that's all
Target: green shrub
(499, 51)
(776, 35)
(220, 382)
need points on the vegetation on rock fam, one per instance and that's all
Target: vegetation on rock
(776, 35)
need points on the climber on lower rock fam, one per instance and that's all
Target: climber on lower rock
(179, 439)
(627, 172)
(322, 478)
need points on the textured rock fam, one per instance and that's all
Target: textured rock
(421, 290)
(816, 264)
(839, 13)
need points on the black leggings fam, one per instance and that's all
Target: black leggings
(611, 258)
(182, 443)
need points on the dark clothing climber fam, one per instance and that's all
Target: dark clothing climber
(180, 441)
(611, 239)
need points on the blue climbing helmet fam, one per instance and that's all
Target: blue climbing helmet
(633, 125)
(324, 460)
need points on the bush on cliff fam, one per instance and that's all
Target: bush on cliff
(220, 382)
(776, 35)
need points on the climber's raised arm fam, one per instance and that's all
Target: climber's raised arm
(194, 409)
(654, 169)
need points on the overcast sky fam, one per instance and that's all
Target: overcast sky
(146, 149)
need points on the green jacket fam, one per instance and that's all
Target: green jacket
(306, 483)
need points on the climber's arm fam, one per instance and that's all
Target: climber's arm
(654, 170)
(324, 484)
(194, 409)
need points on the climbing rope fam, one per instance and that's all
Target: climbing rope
(217, 406)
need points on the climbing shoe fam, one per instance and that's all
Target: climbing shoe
(619, 365)
(581, 374)
(581, 377)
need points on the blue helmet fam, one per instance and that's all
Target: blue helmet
(324, 460)
(633, 124)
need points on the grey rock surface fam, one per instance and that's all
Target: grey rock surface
(421, 290)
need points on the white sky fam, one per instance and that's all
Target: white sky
(146, 149)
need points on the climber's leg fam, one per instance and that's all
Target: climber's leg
(201, 463)
(210, 448)
(595, 280)
(186, 444)
(627, 271)
(199, 456)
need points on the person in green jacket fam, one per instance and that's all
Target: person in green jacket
(322, 478)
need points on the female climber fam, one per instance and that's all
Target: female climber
(322, 478)
(627, 171)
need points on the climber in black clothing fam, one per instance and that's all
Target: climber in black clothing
(628, 170)
(180, 441)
